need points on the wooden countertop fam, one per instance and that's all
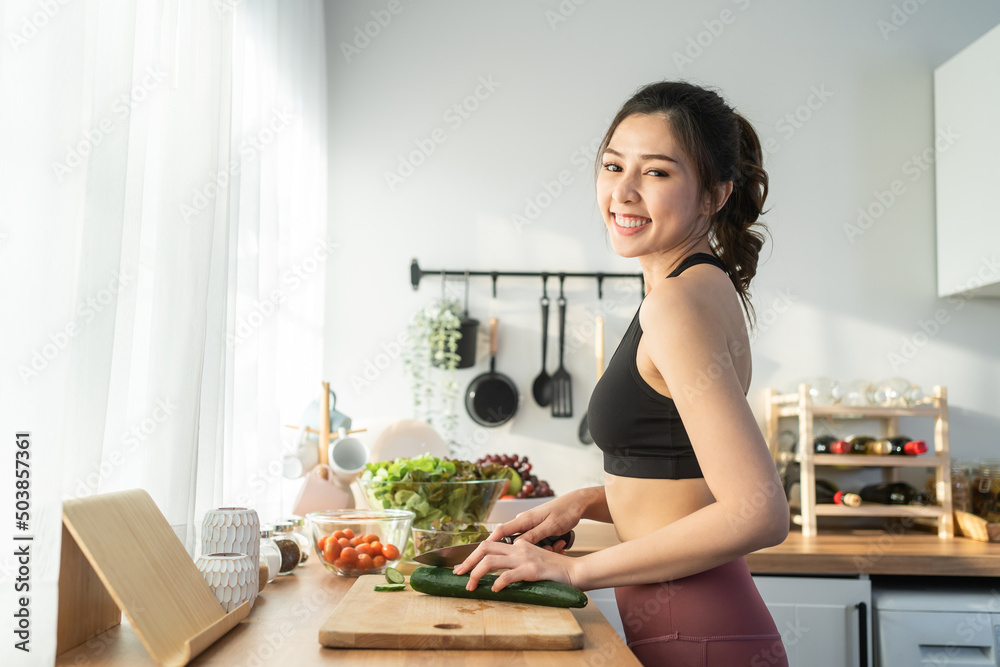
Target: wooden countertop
(849, 552)
(283, 629)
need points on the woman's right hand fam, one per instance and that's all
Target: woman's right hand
(555, 517)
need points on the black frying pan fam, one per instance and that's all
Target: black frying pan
(491, 399)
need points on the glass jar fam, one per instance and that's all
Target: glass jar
(985, 490)
(269, 553)
(289, 546)
(299, 534)
(961, 497)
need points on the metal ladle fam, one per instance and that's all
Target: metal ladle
(541, 389)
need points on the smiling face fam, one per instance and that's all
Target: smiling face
(648, 191)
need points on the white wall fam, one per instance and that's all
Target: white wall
(844, 304)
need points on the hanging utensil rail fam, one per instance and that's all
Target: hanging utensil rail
(416, 273)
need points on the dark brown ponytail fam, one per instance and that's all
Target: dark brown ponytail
(722, 146)
(735, 232)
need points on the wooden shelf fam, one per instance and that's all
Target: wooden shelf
(852, 412)
(860, 461)
(932, 511)
(800, 407)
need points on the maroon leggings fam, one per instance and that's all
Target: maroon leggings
(714, 618)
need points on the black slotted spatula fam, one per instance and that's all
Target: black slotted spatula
(562, 385)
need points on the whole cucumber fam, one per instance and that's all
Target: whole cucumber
(442, 581)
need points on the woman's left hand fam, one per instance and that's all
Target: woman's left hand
(522, 560)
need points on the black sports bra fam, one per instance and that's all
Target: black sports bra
(639, 429)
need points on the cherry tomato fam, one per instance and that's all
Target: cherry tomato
(364, 549)
(355, 541)
(339, 564)
(338, 534)
(390, 551)
(365, 562)
(349, 556)
(321, 542)
(379, 561)
(376, 547)
(332, 550)
(348, 533)
(344, 543)
(371, 538)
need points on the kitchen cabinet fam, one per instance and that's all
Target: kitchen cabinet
(800, 406)
(822, 620)
(948, 623)
(966, 143)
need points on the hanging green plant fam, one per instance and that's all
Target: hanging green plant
(431, 360)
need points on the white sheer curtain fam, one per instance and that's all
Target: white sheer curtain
(162, 248)
(206, 209)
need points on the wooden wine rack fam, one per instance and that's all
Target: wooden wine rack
(800, 405)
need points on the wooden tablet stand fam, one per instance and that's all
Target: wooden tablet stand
(119, 554)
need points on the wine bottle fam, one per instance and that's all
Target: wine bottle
(822, 444)
(856, 444)
(894, 493)
(827, 493)
(901, 445)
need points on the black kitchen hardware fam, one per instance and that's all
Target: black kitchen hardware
(469, 329)
(541, 389)
(492, 398)
(562, 385)
(416, 273)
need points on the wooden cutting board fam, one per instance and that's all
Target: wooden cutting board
(411, 620)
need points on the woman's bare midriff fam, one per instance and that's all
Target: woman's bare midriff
(641, 506)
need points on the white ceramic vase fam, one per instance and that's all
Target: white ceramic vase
(233, 530)
(232, 577)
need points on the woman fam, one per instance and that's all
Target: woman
(689, 482)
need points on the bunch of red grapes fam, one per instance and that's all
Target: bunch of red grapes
(531, 486)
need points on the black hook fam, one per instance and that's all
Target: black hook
(545, 286)
(600, 286)
(494, 277)
(562, 279)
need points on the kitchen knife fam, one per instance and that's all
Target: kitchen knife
(452, 556)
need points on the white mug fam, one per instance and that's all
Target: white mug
(305, 457)
(347, 457)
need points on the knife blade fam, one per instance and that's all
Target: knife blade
(452, 556)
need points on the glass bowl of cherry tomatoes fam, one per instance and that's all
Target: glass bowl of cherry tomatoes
(355, 542)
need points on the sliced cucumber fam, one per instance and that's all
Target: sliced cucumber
(389, 587)
(442, 581)
(394, 576)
